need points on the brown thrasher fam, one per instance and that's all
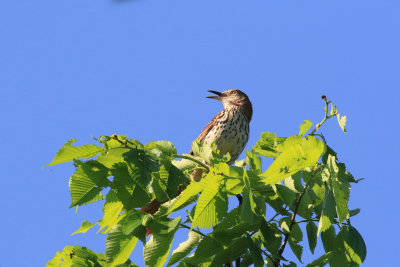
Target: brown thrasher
(229, 129)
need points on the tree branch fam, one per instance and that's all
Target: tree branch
(292, 222)
(326, 114)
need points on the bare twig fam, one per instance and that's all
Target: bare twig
(326, 114)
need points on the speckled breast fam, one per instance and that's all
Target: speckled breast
(230, 134)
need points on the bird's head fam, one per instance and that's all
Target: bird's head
(234, 98)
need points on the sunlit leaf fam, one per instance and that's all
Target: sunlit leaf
(184, 248)
(212, 204)
(119, 246)
(70, 153)
(305, 127)
(85, 226)
(296, 154)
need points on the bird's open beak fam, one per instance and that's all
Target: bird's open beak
(218, 95)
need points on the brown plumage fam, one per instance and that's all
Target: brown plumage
(229, 130)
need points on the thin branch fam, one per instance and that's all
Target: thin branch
(192, 159)
(194, 230)
(326, 115)
(292, 223)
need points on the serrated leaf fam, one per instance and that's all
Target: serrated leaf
(207, 247)
(156, 250)
(112, 156)
(296, 248)
(267, 144)
(61, 257)
(312, 235)
(340, 187)
(212, 204)
(131, 221)
(321, 261)
(69, 153)
(253, 161)
(165, 147)
(328, 212)
(342, 122)
(236, 248)
(83, 189)
(296, 154)
(85, 226)
(119, 246)
(255, 252)
(271, 236)
(305, 127)
(248, 207)
(191, 191)
(112, 209)
(129, 188)
(185, 248)
(164, 226)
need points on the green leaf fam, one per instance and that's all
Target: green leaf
(312, 235)
(213, 202)
(305, 127)
(236, 248)
(321, 261)
(131, 221)
(191, 191)
(160, 182)
(328, 239)
(202, 150)
(112, 156)
(296, 154)
(270, 236)
(342, 122)
(165, 147)
(119, 246)
(294, 183)
(130, 190)
(77, 256)
(354, 212)
(296, 248)
(70, 153)
(156, 250)
(255, 252)
(207, 247)
(248, 207)
(253, 161)
(267, 144)
(82, 187)
(231, 219)
(85, 226)
(61, 257)
(112, 210)
(341, 189)
(164, 226)
(328, 212)
(184, 248)
(354, 244)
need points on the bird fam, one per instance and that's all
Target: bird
(229, 130)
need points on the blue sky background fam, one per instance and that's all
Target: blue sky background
(71, 69)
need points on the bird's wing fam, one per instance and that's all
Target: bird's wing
(208, 128)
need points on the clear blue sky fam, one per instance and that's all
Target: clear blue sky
(71, 69)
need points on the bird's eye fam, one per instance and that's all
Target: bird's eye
(233, 92)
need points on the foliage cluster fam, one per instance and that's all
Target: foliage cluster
(305, 188)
